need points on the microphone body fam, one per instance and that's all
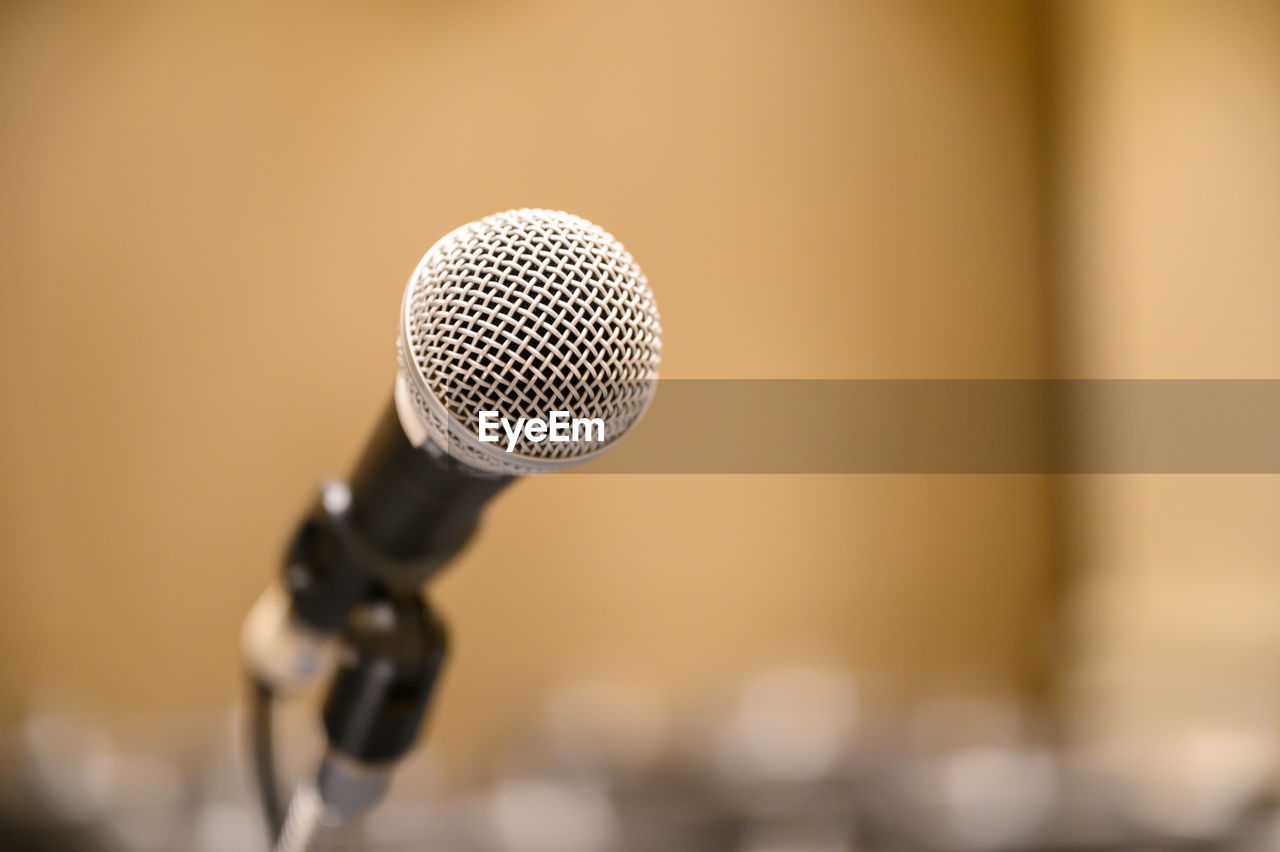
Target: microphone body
(403, 514)
(415, 507)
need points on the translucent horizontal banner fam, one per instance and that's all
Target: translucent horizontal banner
(953, 426)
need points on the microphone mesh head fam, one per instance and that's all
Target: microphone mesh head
(525, 313)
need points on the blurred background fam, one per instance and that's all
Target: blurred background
(210, 212)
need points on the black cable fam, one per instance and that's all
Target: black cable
(262, 746)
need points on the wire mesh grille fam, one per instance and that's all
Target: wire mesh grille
(525, 313)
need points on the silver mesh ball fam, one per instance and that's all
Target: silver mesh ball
(524, 313)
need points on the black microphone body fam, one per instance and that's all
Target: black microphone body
(405, 512)
(412, 504)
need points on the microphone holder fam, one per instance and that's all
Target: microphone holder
(394, 650)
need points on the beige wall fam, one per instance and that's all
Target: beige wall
(208, 219)
(1172, 165)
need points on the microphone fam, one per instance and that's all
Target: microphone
(524, 314)
(529, 341)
